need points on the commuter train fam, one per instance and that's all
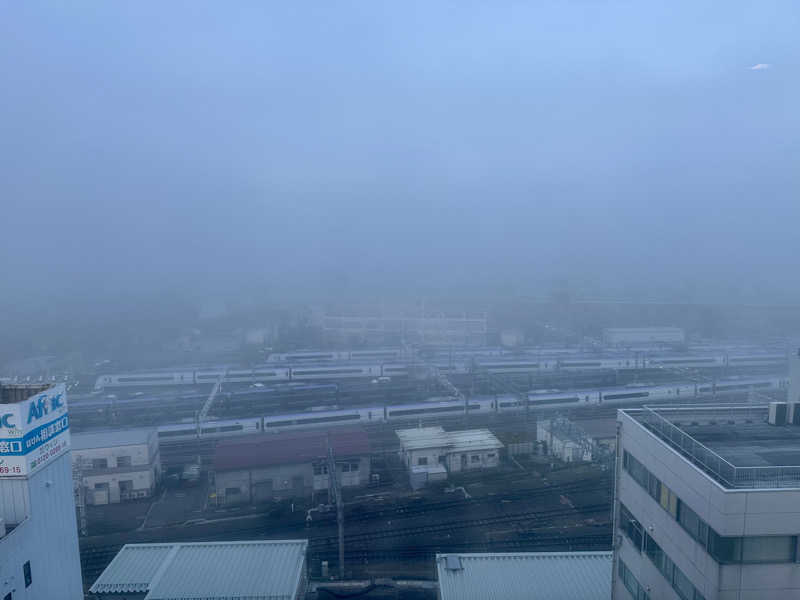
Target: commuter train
(328, 371)
(679, 392)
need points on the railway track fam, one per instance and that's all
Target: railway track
(532, 517)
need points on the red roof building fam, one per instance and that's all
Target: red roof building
(267, 467)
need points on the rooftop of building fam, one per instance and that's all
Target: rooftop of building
(111, 438)
(257, 570)
(436, 437)
(525, 576)
(734, 445)
(288, 448)
(11, 393)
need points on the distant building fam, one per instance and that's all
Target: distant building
(525, 576)
(288, 465)
(258, 570)
(794, 375)
(430, 453)
(707, 504)
(116, 466)
(623, 336)
(571, 442)
(39, 557)
(435, 329)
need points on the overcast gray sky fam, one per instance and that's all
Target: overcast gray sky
(199, 146)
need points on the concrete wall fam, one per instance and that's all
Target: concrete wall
(453, 460)
(728, 512)
(48, 539)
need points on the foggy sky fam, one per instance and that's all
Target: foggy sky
(408, 147)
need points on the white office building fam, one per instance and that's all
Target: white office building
(39, 557)
(116, 466)
(707, 505)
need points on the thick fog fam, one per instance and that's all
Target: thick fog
(313, 149)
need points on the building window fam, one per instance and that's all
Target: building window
(123, 461)
(26, 572)
(232, 491)
(475, 458)
(422, 460)
(490, 455)
(442, 459)
(99, 463)
(320, 469)
(353, 467)
(345, 467)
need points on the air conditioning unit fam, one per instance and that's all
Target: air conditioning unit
(777, 413)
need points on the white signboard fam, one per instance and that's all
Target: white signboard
(33, 432)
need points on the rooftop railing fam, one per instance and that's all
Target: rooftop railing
(705, 458)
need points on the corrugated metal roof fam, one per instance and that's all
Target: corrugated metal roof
(525, 576)
(455, 441)
(256, 570)
(288, 448)
(111, 438)
(132, 569)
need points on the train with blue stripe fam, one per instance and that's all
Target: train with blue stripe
(536, 401)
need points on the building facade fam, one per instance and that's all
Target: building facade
(289, 465)
(707, 505)
(116, 466)
(570, 442)
(39, 557)
(431, 453)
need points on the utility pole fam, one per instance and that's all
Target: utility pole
(336, 491)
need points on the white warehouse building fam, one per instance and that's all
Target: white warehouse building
(707, 505)
(116, 466)
(39, 557)
(430, 453)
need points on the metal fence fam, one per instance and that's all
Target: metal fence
(708, 460)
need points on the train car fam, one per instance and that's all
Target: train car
(677, 362)
(388, 354)
(523, 366)
(277, 423)
(590, 363)
(308, 356)
(757, 360)
(418, 410)
(325, 372)
(209, 429)
(152, 379)
(394, 370)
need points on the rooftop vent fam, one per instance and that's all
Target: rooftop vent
(452, 562)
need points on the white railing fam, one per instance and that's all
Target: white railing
(702, 456)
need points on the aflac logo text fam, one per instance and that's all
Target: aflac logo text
(39, 407)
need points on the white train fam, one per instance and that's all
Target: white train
(282, 372)
(452, 407)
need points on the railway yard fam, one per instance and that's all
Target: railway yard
(531, 502)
